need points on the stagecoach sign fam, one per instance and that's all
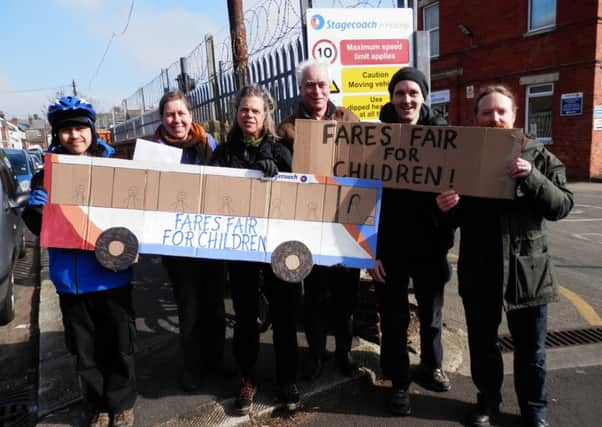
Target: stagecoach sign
(364, 47)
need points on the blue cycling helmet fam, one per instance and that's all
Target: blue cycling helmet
(69, 111)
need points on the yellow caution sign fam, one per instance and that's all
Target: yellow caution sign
(334, 88)
(367, 79)
(366, 107)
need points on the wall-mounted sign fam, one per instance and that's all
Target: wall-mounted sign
(365, 47)
(571, 104)
(440, 97)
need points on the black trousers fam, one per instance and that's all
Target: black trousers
(528, 327)
(100, 331)
(429, 277)
(283, 297)
(330, 299)
(198, 286)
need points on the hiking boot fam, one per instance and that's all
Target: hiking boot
(435, 379)
(100, 419)
(400, 402)
(244, 401)
(482, 415)
(124, 418)
(289, 395)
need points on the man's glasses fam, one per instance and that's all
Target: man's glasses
(319, 85)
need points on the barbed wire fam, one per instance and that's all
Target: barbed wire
(269, 24)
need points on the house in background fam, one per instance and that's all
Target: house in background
(10, 134)
(548, 52)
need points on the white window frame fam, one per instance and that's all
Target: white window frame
(528, 96)
(432, 29)
(543, 27)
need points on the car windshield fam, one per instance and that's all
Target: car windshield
(18, 161)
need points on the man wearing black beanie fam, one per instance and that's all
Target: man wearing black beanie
(412, 74)
(412, 243)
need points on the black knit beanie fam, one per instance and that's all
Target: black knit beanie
(413, 74)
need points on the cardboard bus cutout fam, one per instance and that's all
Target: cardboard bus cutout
(120, 208)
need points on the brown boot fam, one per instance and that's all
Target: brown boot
(100, 419)
(124, 418)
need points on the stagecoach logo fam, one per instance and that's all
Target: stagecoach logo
(291, 177)
(317, 22)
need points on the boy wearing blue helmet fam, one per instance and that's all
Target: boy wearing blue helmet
(96, 303)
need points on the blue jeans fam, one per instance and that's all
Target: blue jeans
(528, 327)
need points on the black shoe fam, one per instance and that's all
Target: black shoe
(435, 379)
(346, 364)
(313, 368)
(536, 422)
(244, 401)
(482, 415)
(400, 402)
(190, 381)
(289, 395)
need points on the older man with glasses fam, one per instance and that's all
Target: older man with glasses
(330, 292)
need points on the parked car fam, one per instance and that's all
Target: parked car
(22, 166)
(11, 236)
(37, 155)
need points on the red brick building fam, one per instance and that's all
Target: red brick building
(547, 51)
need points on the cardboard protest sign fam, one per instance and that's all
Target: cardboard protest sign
(471, 160)
(207, 212)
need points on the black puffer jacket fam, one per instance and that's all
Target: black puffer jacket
(411, 225)
(234, 153)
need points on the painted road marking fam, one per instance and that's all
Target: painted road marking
(586, 310)
(589, 237)
(589, 206)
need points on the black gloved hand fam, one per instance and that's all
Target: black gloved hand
(268, 167)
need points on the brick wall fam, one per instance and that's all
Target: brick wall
(501, 51)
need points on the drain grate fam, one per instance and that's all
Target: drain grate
(17, 410)
(557, 339)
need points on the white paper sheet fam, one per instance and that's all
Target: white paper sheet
(156, 153)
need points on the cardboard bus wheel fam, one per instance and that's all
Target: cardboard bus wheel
(116, 248)
(292, 261)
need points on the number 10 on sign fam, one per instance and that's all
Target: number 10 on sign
(324, 49)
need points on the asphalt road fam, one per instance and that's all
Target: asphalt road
(576, 247)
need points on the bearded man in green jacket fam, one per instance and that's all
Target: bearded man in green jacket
(504, 262)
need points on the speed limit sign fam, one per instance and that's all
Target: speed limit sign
(324, 49)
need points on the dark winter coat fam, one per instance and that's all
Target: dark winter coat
(286, 130)
(74, 271)
(503, 243)
(234, 153)
(411, 225)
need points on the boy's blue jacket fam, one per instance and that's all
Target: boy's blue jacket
(76, 271)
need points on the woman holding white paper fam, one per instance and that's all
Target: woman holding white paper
(198, 283)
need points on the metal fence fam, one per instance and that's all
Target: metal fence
(274, 70)
(275, 46)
